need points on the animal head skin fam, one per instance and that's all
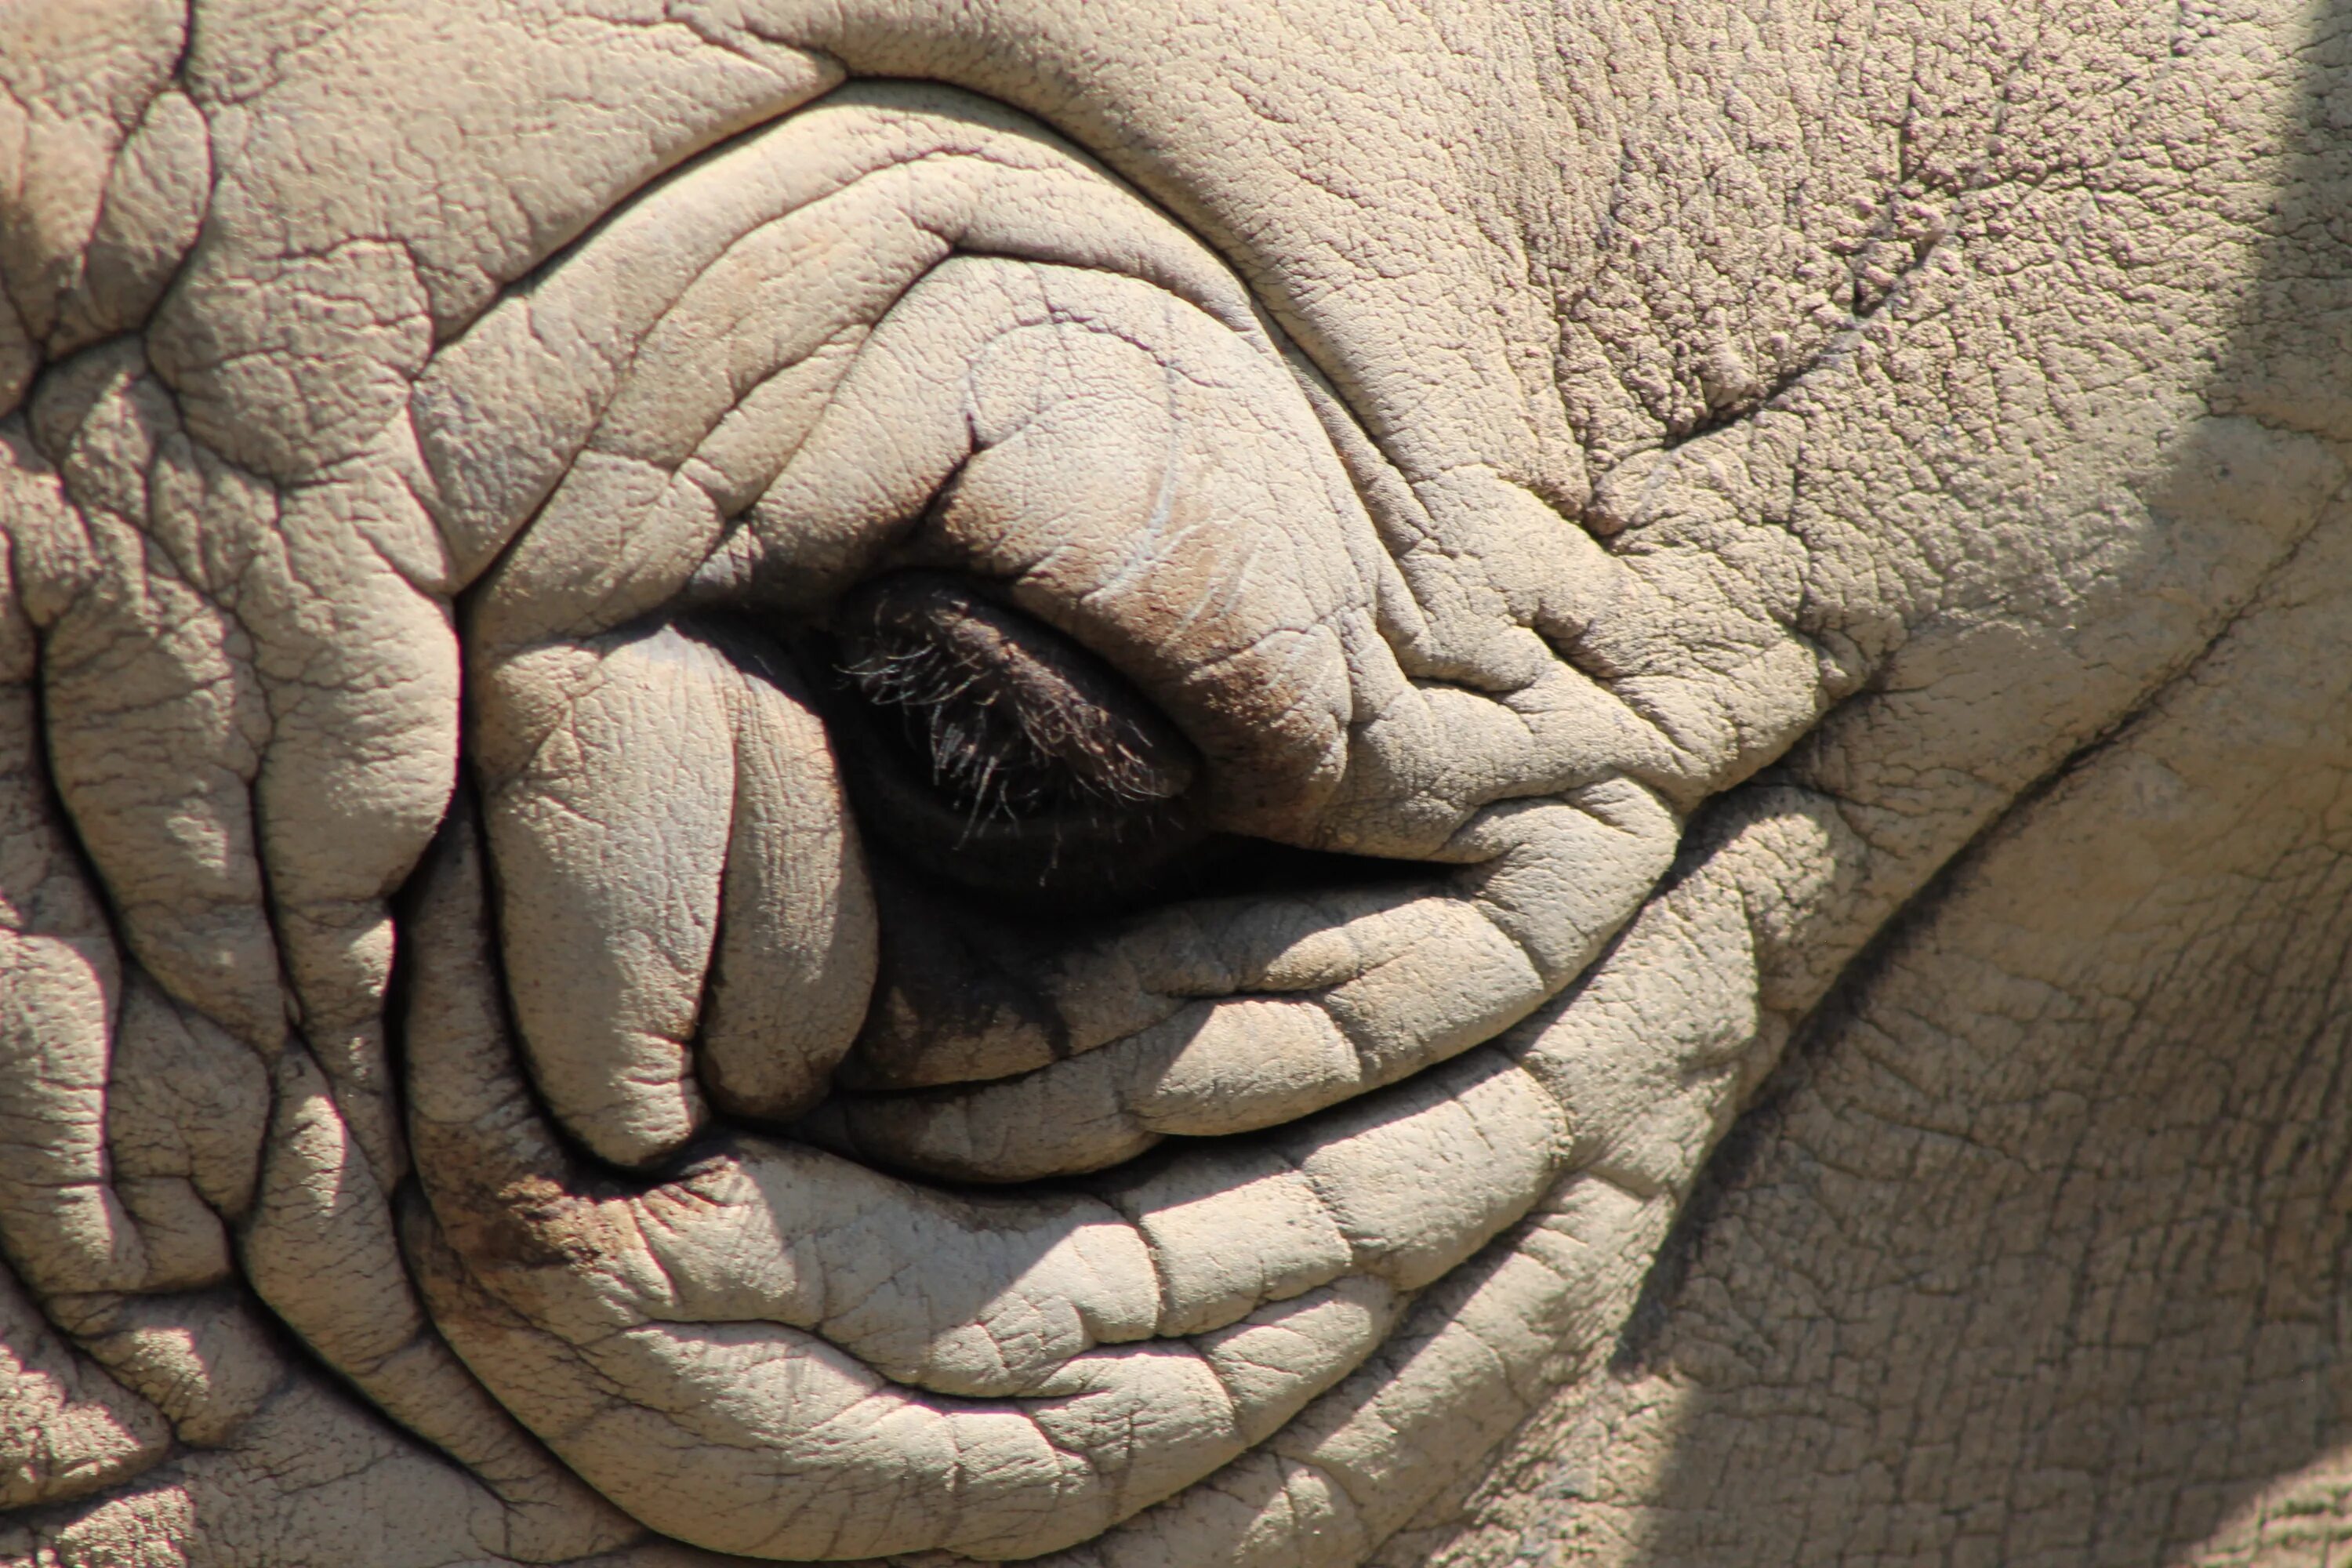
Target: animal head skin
(527, 1040)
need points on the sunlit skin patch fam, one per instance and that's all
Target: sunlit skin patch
(996, 582)
(1022, 551)
(1605, 404)
(1183, 574)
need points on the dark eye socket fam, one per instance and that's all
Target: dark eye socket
(1013, 719)
(988, 750)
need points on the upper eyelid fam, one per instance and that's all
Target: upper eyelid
(1112, 228)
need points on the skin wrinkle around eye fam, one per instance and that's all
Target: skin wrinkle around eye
(1087, 232)
(473, 1174)
(500, 697)
(990, 522)
(1312, 564)
(1360, 629)
(1702, 735)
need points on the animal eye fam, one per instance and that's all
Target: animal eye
(990, 748)
(1010, 718)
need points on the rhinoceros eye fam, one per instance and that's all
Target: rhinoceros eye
(990, 748)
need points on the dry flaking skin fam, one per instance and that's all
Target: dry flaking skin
(895, 781)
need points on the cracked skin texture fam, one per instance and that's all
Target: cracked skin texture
(1807, 543)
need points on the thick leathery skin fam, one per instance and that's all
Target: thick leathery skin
(1590, 515)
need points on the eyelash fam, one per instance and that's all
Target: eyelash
(994, 753)
(1011, 721)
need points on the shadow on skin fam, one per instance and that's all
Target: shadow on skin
(2033, 1250)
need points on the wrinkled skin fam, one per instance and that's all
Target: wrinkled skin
(791, 782)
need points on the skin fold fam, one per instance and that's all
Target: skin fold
(1170, 784)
